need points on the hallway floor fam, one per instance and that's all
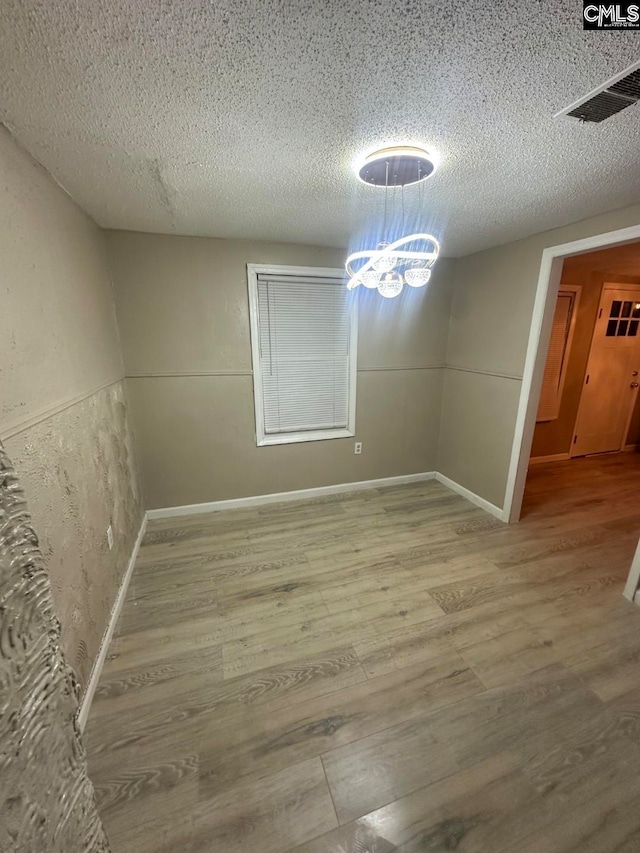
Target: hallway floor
(389, 670)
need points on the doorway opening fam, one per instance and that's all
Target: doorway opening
(579, 342)
(589, 400)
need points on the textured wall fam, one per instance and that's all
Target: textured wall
(77, 468)
(243, 119)
(47, 803)
(58, 333)
(184, 320)
(62, 400)
(490, 322)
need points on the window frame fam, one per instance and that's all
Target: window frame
(264, 439)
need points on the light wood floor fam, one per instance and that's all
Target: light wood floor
(390, 670)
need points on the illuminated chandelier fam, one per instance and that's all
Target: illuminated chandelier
(408, 259)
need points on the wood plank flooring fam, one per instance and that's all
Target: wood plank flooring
(379, 671)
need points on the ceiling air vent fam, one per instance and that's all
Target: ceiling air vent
(615, 95)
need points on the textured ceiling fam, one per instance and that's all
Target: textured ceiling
(243, 119)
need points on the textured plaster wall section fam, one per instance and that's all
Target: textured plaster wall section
(78, 469)
(63, 412)
(47, 803)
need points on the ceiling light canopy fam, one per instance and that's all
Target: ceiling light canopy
(397, 166)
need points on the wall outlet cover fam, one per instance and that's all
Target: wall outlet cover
(358, 448)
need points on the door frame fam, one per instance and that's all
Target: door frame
(576, 289)
(633, 581)
(536, 356)
(607, 285)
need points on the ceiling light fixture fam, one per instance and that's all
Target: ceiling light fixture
(408, 259)
(405, 164)
(421, 261)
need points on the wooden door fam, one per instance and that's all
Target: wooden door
(611, 382)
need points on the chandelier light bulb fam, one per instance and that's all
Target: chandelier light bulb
(385, 262)
(417, 275)
(390, 285)
(371, 279)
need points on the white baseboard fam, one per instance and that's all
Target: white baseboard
(561, 457)
(96, 671)
(555, 457)
(302, 494)
(279, 497)
(487, 506)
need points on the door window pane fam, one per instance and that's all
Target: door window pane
(633, 328)
(636, 309)
(622, 328)
(611, 328)
(616, 305)
(626, 309)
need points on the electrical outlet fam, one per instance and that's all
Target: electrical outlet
(110, 537)
(358, 448)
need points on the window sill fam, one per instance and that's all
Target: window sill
(296, 437)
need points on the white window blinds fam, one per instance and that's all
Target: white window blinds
(557, 356)
(304, 382)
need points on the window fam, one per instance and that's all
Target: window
(558, 355)
(304, 348)
(623, 319)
